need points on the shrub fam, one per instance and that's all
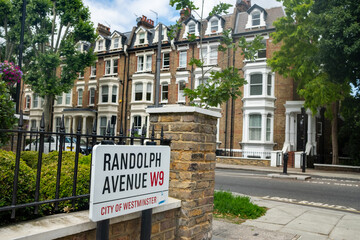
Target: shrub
(48, 180)
(26, 186)
(239, 206)
(30, 158)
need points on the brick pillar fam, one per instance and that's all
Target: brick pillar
(192, 169)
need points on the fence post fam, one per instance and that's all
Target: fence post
(286, 157)
(132, 134)
(102, 227)
(77, 150)
(41, 150)
(17, 164)
(303, 161)
(58, 174)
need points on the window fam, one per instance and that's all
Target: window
(33, 125)
(80, 97)
(164, 92)
(182, 59)
(269, 85)
(140, 63)
(104, 94)
(107, 66)
(191, 28)
(78, 47)
(27, 102)
(148, 91)
(148, 62)
(59, 99)
(255, 127)
(138, 92)
(93, 70)
(57, 124)
(166, 60)
(214, 26)
(256, 18)
(256, 84)
(268, 127)
(114, 94)
(81, 75)
(181, 97)
(142, 38)
(203, 55)
(115, 66)
(103, 121)
(35, 101)
(92, 96)
(116, 42)
(68, 98)
(213, 55)
(262, 52)
(100, 45)
(137, 124)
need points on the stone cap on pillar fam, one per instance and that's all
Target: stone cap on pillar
(183, 109)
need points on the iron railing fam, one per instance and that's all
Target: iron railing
(62, 141)
(243, 154)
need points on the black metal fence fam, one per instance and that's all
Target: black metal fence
(243, 154)
(62, 141)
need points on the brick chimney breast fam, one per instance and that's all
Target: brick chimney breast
(243, 5)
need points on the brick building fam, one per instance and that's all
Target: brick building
(121, 85)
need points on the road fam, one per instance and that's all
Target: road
(340, 194)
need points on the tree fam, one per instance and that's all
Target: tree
(53, 28)
(221, 85)
(312, 50)
(7, 111)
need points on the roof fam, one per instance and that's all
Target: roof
(272, 15)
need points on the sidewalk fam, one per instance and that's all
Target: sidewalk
(297, 171)
(285, 221)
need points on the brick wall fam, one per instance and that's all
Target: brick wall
(243, 161)
(192, 169)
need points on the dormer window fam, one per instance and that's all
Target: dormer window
(214, 26)
(116, 42)
(142, 38)
(255, 18)
(100, 45)
(191, 28)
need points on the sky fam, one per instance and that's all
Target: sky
(121, 15)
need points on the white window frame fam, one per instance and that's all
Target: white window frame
(149, 90)
(145, 66)
(163, 60)
(116, 41)
(251, 85)
(181, 97)
(163, 84)
(27, 102)
(100, 45)
(208, 54)
(109, 68)
(213, 24)
(93, 70)
(114, 92)
(164, 34)
(90, 96)
(209, 30)
(182, 63)
(142, 37)
(258, 13)
(68, 96)
(36, 100)
(102, 127)
(268, 128)
(137, 90)
(249, 24)
(254, 128)
(80, 97)
(103, 94)
(187, 28)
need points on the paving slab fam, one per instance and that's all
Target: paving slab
(306, 235)
(315, 222)
(242, 232)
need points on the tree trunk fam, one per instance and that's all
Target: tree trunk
(48, 102)
(334, 132)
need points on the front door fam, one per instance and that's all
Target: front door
(301, 132)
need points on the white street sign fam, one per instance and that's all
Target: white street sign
(127, 179)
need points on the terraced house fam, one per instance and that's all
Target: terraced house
(121, 85)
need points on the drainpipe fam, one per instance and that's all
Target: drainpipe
(158, 64)
(123, 90)
(232, 115)
(126, 96)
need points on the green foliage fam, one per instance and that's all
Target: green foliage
(48, 180)
(349, 134)
(30, 158)
(174, 29)
(183, 4)
(226, 203)
(26, 186)
(7, 111)
(221, 8)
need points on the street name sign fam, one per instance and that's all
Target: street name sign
(127, 179)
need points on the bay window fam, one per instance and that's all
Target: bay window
(255, 127)
(138, 92)
(114, 94)
(255, 84)
(104, 94)
(148, 91)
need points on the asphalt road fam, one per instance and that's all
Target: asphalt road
(335, 193)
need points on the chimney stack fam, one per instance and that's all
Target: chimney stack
(243, 5)
(145, 22)
(103, 30)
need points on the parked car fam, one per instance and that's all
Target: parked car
(52, 144)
